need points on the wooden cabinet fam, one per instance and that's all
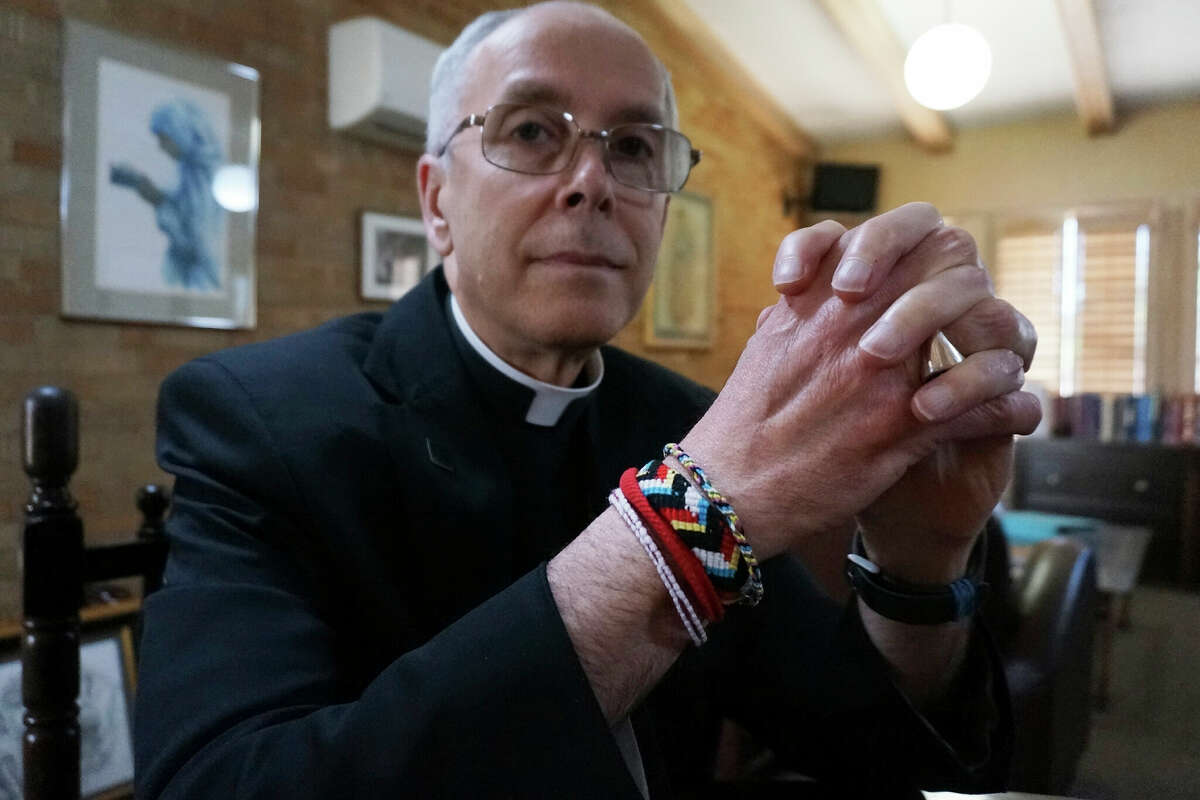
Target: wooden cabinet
(1141, 484)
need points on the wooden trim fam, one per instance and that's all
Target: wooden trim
(128, 659)
(1175, 268)
(1118, 210)
(868, 32)
(11, 628)
(104, 611)
(1093, 95)
(1054, 214)
(692, 34)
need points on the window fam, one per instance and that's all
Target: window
(1082, 280)
(1111, 317)
(1026, 274)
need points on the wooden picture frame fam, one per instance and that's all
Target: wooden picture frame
(681, 303)
(159, 182)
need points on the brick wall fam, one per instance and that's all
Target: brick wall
(313, 184)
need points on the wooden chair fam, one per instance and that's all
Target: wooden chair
(56, 566)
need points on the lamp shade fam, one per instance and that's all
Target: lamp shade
(947, 66)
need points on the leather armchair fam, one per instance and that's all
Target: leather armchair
(1044, 624)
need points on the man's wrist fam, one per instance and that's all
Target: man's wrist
(915, 603)
(617, 613)
(935, 562)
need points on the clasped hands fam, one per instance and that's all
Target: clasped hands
(825, 417)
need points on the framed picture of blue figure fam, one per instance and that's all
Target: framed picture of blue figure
(159, 183)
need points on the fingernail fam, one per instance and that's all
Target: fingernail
(851, 275)
(1016, 369)
(1015, 364)
(881, 341)
(934, 401)
(788, 269)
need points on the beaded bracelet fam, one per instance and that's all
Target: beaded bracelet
(752, 591)
(683, 606)
(698, 527)
(683, 562)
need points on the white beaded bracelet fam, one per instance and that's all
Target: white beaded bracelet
(683, 606)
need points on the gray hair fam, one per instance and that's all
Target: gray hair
(446, 86)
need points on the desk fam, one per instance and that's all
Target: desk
(1000, 796)
(1119, 551)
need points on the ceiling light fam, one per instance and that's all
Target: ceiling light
(947, 66)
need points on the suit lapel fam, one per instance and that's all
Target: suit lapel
(455, 506)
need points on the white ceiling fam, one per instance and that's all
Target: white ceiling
(794, 50)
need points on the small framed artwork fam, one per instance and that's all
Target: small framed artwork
(682, 299)
(159, 183)
(395, 255)
(106, 686)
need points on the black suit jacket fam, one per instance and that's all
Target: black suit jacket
(342, 615)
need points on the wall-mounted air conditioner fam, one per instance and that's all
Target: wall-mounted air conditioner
(379, 81)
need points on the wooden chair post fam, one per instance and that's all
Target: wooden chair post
(52, 560)
(152, 501)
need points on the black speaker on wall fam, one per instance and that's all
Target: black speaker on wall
(844, 187)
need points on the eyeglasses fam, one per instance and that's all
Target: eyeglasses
(542, 141)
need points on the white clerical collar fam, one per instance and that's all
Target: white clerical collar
(549, 401)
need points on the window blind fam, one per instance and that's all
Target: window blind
(1107, 310)
(1103, 349)
(1026, 274)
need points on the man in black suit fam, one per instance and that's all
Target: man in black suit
(393, 569)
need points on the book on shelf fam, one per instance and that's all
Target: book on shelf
(1108, 417)
(1171, 420)
(1147, 417)
(1189, 423)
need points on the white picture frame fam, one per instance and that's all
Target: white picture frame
(159, 183)
(395, 255)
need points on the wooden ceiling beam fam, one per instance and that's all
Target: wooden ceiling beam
(693, 34)
(863, 25)
(1093, 95)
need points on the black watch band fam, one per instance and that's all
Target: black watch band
(916, 604)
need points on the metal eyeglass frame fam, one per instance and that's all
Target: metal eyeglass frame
(601, 135)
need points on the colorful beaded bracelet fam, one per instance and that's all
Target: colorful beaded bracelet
(698, 527)
(752, 590)
(686, 567)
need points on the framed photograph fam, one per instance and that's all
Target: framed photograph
(159, 183)
(106, 686)
(681, 303)
(395, 255)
